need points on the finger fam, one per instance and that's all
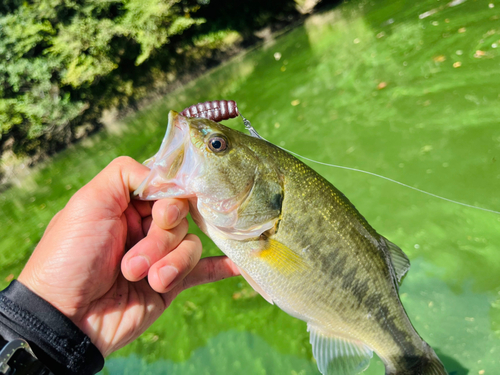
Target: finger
(165, 274)
(135, 232)
(146, 224)
(167, 213)
(207, 270)
(113, 184)
(142, 207)
(149, 250)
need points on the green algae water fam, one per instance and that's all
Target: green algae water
(409, 90)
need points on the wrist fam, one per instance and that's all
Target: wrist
(38, 287)
(54, 338)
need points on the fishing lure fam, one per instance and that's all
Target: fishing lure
(215, 110)
(218, 110)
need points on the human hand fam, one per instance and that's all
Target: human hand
(76, 264)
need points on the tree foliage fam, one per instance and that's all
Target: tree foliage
(64, 61)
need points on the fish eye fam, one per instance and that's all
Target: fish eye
(217, 143)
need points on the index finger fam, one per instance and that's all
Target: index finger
(207, 270)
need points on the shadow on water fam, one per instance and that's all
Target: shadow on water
(451, 364)
(227, 353)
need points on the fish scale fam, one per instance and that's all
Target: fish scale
(298, 241)
(341, 214)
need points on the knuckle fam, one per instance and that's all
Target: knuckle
(195, 239)
(211, 271)
(192, 257)
(187, 262)
(122, 160)
(119, 162)
(185, 284)
(184, 224)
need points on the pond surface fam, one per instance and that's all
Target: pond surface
(409, 90)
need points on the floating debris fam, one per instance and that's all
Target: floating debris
(245, 293)
(381, 85)
(277, 56)
(457, 64)
(456, 2)
(439, 58)
(426, 148)
(435, 10)
(428, 13)
(479, 54)
(462, 30)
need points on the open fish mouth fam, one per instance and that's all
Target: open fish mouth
(170, 167)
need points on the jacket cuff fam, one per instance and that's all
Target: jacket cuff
(53, 337)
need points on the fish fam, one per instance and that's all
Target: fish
(297, 240)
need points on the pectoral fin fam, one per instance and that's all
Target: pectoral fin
(336, 355)
(281, 257)
(256, 286)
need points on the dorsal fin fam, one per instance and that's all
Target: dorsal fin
(399, 260)
(337, 355)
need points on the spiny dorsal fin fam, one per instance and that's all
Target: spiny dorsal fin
(399, 260)
(337, 355)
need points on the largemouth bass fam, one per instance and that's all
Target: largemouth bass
(297, 240)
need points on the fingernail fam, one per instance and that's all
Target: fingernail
(173, 211)
(167, 274)
(138, 266)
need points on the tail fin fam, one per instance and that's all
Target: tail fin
(433, 365)
(428, 365)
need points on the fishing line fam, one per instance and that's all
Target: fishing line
(396, 182)
(255, 134)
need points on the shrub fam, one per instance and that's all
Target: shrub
(62, 62)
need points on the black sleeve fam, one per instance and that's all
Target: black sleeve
(53, 337)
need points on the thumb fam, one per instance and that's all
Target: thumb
(111, 188)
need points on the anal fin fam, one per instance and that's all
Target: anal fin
(256, 286)
(336, 355)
